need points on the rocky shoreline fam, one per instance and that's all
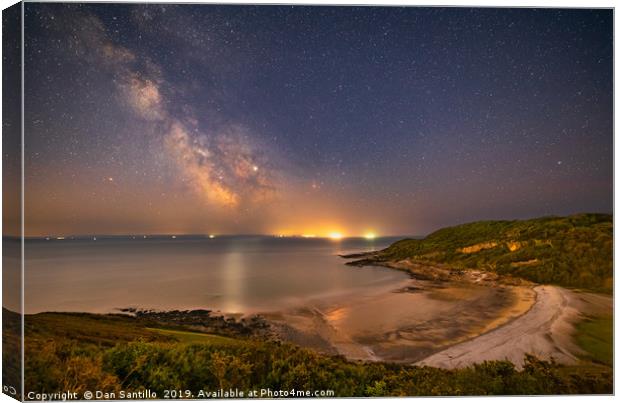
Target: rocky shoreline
(436, 272)
(207, 321)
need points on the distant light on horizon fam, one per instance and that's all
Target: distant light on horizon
(370, 235)
(335, 236)
(308, 236)
(211, 236)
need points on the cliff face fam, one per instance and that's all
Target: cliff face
(574, 251)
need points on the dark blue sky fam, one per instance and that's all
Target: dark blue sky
(264, 119)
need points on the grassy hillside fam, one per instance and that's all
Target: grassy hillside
(79, 352)
(595, 336)
(574, 251)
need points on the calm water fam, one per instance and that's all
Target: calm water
(231, 274)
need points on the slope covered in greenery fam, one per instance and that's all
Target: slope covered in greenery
(82, 352)
(574, 251)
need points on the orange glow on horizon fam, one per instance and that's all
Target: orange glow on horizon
(334, 233)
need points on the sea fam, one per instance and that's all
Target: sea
(230, 274)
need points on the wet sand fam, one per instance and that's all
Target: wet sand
(405, 324)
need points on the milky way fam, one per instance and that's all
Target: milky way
(265, 119)
(222, 167)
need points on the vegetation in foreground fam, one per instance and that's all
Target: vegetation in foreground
(574, 251)
(80, 352)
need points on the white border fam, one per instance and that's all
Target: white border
(456, 3)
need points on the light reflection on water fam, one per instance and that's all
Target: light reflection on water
(231, 274)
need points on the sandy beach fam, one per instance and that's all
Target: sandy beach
(545, 331)
(445, 322)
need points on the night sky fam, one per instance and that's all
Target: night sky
(312, 120)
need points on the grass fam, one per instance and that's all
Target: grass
(101, 330)
(188, 337)
(109, 330)
(595, 336)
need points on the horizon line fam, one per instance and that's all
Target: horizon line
(188, 235)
